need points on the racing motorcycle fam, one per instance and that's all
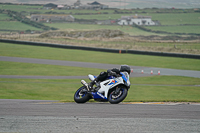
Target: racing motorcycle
(114, 89)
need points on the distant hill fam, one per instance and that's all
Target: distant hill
(127, 4)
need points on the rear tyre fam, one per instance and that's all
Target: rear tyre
(116, 97)
(81, 95)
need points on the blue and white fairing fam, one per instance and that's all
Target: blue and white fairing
(110, 83)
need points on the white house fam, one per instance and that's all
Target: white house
(135, 19)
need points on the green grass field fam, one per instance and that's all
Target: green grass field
(169, 19)
(176, 29)
(164, 18)
(164, 94)
(15, 25)
(176, 18)
(20, 8)
(4, 17)
(173, 20)
(15, 68)
(184, 16)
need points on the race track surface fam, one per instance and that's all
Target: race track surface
(53, 116)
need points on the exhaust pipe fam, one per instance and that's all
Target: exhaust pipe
(85, 84)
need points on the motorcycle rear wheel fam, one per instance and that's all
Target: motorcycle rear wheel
(117, 97)
(81, 95)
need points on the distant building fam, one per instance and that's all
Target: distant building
(50, 6)
(96, 4)
(76, 5)
(93, 5)
(52, 18)
(60, 7)
(135, 19)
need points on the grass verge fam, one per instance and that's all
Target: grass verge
(163, 94)
(17, 68)
(64, 89)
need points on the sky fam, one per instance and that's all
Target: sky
(124, 4)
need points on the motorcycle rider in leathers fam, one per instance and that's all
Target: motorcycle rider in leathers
(103, 75)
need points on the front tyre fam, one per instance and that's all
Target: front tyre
(118, 95)
(81, 95)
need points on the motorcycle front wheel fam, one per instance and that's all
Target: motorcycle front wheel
(117, 95)
(81, 95)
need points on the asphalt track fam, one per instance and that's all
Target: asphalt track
(52, 116)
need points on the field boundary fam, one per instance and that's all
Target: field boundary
(163, 32)
(102, 49)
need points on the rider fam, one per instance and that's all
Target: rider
(110, 72)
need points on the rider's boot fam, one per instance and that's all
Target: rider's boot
(91, 84)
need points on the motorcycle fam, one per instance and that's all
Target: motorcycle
(114, 89)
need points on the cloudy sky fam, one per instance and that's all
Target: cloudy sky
(121, 3)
